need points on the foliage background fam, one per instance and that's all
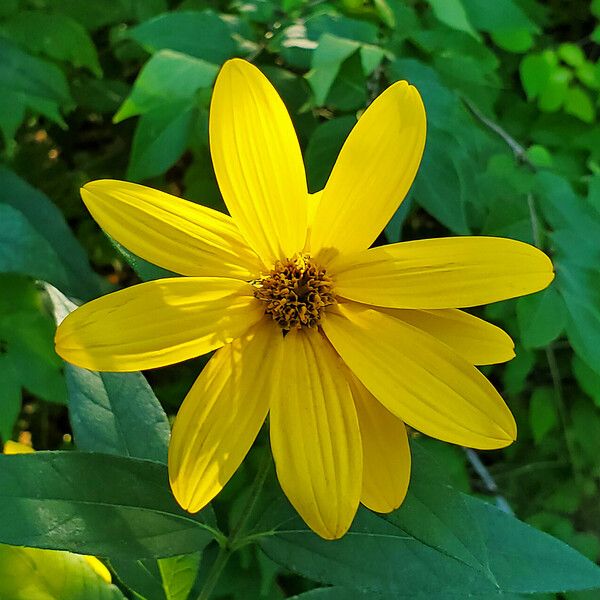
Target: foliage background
(120, 89)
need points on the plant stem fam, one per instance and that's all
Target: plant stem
(230, 545)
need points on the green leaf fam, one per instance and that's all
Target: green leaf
(323, 148)
(93, 15)
(200, 34)
(57, 36)
(47, 249)
(542, 318)
(588, 379)
(498, 16)
(10, 394)
(27, 356)
(163, 579)
(327, 59)
(571, 54)
(24, 250)
(542, 413)
(579, 104)
(554, 93)
(32, 574)
(535, 71)
(439, 539)
(160, 138)
(28, 83)
(167, 78)
(514, 40)
(178, 575)
(452, 13)
(95, 504)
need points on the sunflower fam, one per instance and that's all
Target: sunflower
(342, 344)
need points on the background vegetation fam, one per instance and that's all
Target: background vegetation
(120, 89)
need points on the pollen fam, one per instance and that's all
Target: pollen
(295, 292)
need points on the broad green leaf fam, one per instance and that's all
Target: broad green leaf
(542, 318)
(24, 250)
(93, 15)
(10, 393)
(160, 138)
(178, 575)
(57, 36)
(439, 539)
(554, 93)
(572, 54)
(542, 412)
(452, 13)
(588, 379)
(27, 357)
(163, 579)
(580, 288)
(31, 84)
(323, 149)
(498, 16)
(535, 70)
(201, 34)
(579, 104)
(32, 574)
(144, 269)
(527, 561)
(339, 593)
(95, 504)
(167, 78)
(514, 40)
(327, 59)
(349, 90)
(47, 249)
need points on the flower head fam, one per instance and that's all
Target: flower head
(341, 343)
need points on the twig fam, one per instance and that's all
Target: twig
(488, 480)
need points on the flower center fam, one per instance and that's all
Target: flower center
(295, 292)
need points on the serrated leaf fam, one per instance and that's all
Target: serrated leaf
(95, 504)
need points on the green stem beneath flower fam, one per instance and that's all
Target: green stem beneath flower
(231, 544)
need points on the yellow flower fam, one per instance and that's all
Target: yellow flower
(340, 343)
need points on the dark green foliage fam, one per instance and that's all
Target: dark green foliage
(121, 89)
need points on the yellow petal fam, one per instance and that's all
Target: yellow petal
(386, 453)
(98, 568)
(476, 340)
(11, 447)
(452, 272)
(418, 379)
(373, 173)
(257, 161)
(312, 204)
(222, 415)
(157, 323)
(170, 232)
(315, 436)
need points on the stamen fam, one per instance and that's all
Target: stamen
(295, 292)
